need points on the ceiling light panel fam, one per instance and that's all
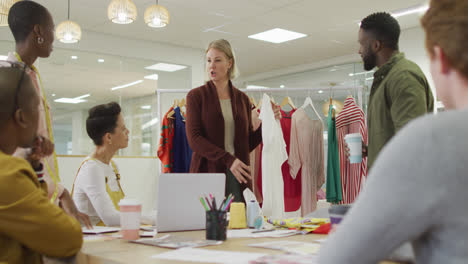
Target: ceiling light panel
(69, 100)
(277, 35)
(165, 67)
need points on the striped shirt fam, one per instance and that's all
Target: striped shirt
(351, 120)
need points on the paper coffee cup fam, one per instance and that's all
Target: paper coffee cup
(354, 142)
(130, 217)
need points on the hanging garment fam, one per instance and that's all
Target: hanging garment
(255, 159)
(273, 156)
(306, 154)
(292, 184)
(165, 153)
(333, 162)
(351, 120)
(181, 148)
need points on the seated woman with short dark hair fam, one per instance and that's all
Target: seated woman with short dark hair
(96, 190)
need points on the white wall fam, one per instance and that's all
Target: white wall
(412, 43)
(139, 177)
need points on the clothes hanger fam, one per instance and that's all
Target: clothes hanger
(171, 114)
(252, 101)
(181, 103)
(333, 108)
(176, 102)
(259, 105)
(308, 101)
(350, 94)
(287, 101)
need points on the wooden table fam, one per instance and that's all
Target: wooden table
(121, 251)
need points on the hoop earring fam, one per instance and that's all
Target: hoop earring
(40, 40)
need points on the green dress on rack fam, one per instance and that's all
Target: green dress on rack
(333, 162)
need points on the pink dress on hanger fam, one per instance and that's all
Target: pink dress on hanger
(306, 152)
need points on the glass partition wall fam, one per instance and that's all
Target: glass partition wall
(75, 81)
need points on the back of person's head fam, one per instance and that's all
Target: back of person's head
(225, 47)
(23, 16)
(446, 26)
(19, 104)
(384, 28)
(102, 119)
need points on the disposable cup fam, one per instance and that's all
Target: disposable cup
(130, 217)
(354, 142)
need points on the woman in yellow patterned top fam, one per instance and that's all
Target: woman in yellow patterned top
(30, 225)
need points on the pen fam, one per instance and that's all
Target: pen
(230, 201)
(222, 204)
(203, 203)
(214, 204)
(208, 202)
(226, 202)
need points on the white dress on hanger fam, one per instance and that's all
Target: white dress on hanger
(273, 156)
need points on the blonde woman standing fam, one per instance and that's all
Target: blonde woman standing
(219, 122)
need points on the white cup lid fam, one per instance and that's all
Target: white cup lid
(129, 201)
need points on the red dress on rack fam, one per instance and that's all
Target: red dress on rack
(292, 187)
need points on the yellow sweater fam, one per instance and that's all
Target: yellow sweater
(30, 225)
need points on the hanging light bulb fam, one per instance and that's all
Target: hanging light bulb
(156, 16)
(122, 11)
(5, 6)
(68, 31)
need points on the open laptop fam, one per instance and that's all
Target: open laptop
(179, 207)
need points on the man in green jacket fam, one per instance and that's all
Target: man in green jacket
(400, 91)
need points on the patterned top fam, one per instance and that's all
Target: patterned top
(165, 153)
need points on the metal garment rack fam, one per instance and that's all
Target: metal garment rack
(159, 92)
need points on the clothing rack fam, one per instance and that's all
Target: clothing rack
(160, 92)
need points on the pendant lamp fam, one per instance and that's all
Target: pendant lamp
(122, 11)
(5, 6)
(68, 31)
(157, 16)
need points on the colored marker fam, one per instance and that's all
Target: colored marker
(203, 203)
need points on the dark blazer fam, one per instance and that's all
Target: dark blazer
(205, 129)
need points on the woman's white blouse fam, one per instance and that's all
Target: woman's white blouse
(90, 194)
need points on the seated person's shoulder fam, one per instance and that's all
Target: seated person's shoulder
(89, 168)
(16, 178)
(441, 127)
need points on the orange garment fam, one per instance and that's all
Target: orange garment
(166, 139)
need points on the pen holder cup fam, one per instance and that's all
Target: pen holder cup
(216, 224)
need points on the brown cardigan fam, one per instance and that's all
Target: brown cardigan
(205, 129)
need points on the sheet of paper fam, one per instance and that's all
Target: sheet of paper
(97, 238)
(209, 256)
(177, 242)
(323, 240)
(237, 233)
(100, 230)
(295, 247)
(287, 259)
